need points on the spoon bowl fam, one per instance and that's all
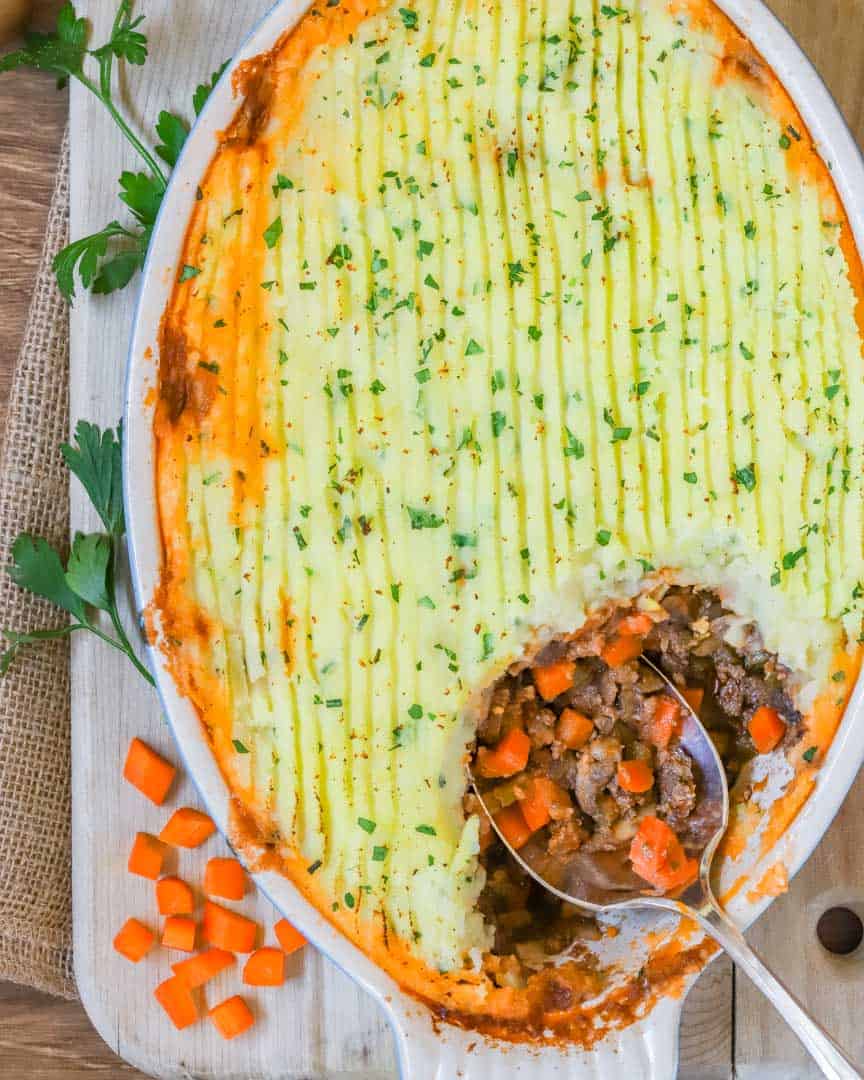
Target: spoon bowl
(601, 882)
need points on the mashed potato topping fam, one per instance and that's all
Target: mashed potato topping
(487, 311)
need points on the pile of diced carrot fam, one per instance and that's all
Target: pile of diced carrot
(221, 933)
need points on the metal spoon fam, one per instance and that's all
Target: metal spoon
(601, 882)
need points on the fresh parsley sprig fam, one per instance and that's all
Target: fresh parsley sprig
(108, 259)
(85, 586)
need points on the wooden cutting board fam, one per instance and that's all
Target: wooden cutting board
(319, 1024)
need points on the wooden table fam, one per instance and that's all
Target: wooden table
(725, 1022)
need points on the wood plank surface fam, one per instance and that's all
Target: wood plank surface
(43, 1037)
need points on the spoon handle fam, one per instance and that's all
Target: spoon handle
(825, 1052)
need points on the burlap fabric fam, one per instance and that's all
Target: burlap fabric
(35, 791)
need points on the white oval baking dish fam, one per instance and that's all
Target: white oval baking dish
(647, 1049)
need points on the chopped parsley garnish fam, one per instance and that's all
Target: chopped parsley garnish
(189, 272)
(424, 519)
(366, 825)
(463, 540)
(690, 478)
(273, 232)
(746, 476)
(379, 853)
(791, 558)
(472, 348)
(575, 448)
(810, 753)
(415, 711)
(603, 537)
(340, 254)
(499, 422)
(427, 830)
(239, 747)
(282, 184)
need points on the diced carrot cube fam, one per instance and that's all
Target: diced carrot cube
(511, 823)
(134, 940)
(174, 897)
(288, 936)
(635, 776)
(265, 967)
(622, 648)
(658, 856)
(199, 969)
(176, 999)
(148, 771)
(510, 756)
(553, 679)
(573, 729)
(767, 728)
(187, 828)
(227, 929)
(665, 721)
(146, 856)
(225, 878)
(232, 1017)
(179, 933)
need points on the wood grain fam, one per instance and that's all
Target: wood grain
(32, 117)
(41, 1037)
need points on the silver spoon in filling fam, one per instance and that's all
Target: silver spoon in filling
(601, 882)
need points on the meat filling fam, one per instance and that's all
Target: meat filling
(578, 751)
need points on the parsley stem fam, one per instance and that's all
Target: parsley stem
(124, 643)
(104, 95)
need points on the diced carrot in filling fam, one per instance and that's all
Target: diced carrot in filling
(621, 649)
(635, 776)
(544, 800)
(767, 728)
(657, 856)
(694, 696)
(509, 757)
(511, 823)
(637, 623)
(573, 729)
(553, 679)
(665, 722)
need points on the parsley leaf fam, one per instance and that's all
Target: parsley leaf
(37, 568)
(173, 131)
(95, 458)
(87, 574)
(87, 581)
(424, 519)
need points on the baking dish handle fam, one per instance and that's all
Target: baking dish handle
(647, 1051)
